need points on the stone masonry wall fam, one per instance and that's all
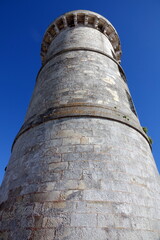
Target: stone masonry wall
(81, 178)
(81, 165)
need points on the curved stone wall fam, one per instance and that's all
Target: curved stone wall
(81, 18)
(81, 166)
(80, 178)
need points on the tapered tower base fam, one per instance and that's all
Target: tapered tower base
(81, 166)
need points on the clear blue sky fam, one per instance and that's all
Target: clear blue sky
(23, 23)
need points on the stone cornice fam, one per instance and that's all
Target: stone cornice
(78, 18)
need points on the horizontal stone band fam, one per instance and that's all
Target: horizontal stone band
(80, 110)
(85, 49)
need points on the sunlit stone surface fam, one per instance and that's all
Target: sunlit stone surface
(81, 166)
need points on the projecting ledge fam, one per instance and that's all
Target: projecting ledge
(81, 110)
(79, 18)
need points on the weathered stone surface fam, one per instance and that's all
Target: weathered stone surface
(81, 167)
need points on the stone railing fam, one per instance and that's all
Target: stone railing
(77, 18)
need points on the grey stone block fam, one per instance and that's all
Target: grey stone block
(81, 166)
(83, 220)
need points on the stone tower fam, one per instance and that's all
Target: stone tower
(81, 165)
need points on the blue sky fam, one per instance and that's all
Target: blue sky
(23, 24)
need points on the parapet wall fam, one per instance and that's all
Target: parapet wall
(81, 18)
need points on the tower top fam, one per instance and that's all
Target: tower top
(79, 18)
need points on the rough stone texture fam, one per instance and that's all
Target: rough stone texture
(81, 167)
(76, 19)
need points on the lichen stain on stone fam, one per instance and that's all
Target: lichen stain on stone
(109, 80)
(114, 94)
(60, 204)
(81, 92)
(70, 66)
(63, 90)
(88, 72)
(100, 102)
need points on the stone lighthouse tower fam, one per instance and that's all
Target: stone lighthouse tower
(81, 165)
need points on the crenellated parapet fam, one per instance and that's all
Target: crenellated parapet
(78, 18)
